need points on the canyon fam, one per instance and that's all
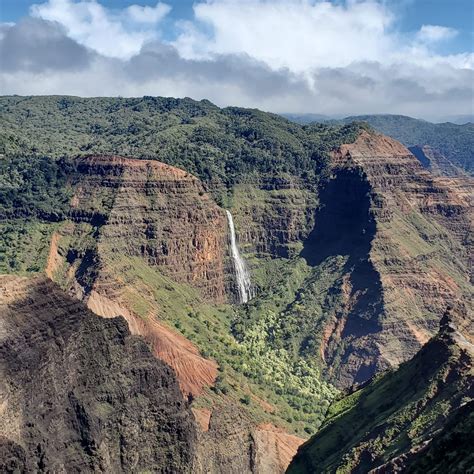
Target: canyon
(260, 293)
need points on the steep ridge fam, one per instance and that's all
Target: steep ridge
(401, 228)
(448, 144)
(399, 421)
(79, 393)
(118, 408)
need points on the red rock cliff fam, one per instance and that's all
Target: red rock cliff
(416, 247)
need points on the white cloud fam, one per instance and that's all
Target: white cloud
(435, 33)
(281, 55)
(295, 34)
(145, 14)
(111, 33)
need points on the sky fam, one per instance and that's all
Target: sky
(338, 58)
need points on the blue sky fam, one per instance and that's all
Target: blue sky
(341, 57)
(458, 14)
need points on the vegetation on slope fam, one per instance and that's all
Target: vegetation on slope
(34, 196)
(268, 382)
(392, 418)
(34, 186)
(220, 146)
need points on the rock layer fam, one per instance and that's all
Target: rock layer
(273, 216)
(407, 228)
(156, 212)
(436, 162)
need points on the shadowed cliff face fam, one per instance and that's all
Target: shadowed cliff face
(80, 394)
(436, 162)
(401, 228)
(71, 378)
(345, 226)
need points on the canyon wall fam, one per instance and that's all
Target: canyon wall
(408, 234)
(156, 212)
(273, 215)
(137, 227)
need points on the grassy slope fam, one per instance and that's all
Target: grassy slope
(397, 411)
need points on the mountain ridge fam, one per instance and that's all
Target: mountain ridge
(445, 148)
(394, 419)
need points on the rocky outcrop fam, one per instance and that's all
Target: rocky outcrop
(414, 419)
(400, 228)
(193, 371)
(231, 442)
(79, 393)
(275, 448)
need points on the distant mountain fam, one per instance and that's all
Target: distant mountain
(450, 145)
(460, 119)
(304, 119)
(454, 142)
(418, 418)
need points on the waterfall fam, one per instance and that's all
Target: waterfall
(241, 273)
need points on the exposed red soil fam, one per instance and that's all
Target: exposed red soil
(193, 371)
(276, 448)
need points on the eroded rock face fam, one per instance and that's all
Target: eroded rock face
(231, 442)
(193, 371)
(274, 215)
(79, 393)
(144, 215)
(156, 212)
(408, 236)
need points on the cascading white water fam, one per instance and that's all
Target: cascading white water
(241, 273)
